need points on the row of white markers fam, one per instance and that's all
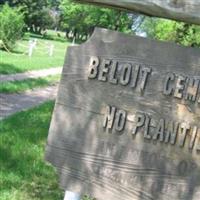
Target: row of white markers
(33, 46)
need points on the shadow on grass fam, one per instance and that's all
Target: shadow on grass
(27, 84)
(23, 137)
(46, 37)
(6, 68)
(13, 51)
(19, 52)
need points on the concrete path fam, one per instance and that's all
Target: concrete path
(12, 103)
(30, 74)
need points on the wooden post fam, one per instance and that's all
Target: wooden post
(30, 48)
(51, 50)
(74, 40)
(71, 196)
(181, 10)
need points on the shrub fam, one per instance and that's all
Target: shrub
(11, 25)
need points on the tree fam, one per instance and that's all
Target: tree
(37, 13)
(4, 1)
(54, 3)
(81, 19)
(168, 30)
(11, 25)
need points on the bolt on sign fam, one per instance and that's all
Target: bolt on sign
(126, 123)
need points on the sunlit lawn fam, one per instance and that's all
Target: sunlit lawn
(20, 61)
(24, 174)
(31, 83)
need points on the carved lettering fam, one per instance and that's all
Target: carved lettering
(179, 87)
(135, 72)
(192, 89)
(165, 134)
(182, 87)
(109, 117)
(145, 73)
(193, 137)
(168, 87)
(198, 146)
(146, 129)
(93, 67)
(126, 74)
(171, 132)
(120, 120)
(183, 168)
(159, 133)
(115, 118)
(104, 70)
(113, 72)
(184, 130)
(139, 119)
(126, 121)
(116, 72)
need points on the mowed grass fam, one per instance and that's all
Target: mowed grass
(18, 61)
(27, 84)
(24, 174)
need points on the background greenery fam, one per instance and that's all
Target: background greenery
(18, 61)
(78, 21)
(168, 30)
(24, 175)
(11, 25)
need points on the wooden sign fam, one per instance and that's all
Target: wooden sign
(126, 124)
(180, 10)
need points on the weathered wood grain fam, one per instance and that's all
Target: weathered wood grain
(112, 164)
(180, 10)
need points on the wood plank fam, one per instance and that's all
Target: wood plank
(181, 10)
(106, 138)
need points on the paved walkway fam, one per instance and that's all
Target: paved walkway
(12, 103)
(30, 74)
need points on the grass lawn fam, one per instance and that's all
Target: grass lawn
(19, 86)
(18, 62)
(24, 175)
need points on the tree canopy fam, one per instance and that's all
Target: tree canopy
(37, 15)
(168, 30)
(11, 26)
(81, 19)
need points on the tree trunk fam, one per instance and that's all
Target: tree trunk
(67, 33)
(117, 22)
(181, 10)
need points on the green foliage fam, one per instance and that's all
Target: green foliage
(81, 19)
(41, 20)
(31, 83)
(11, 25)
(88, 198)
(168, 30)
(38, 14)
(77, 19)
